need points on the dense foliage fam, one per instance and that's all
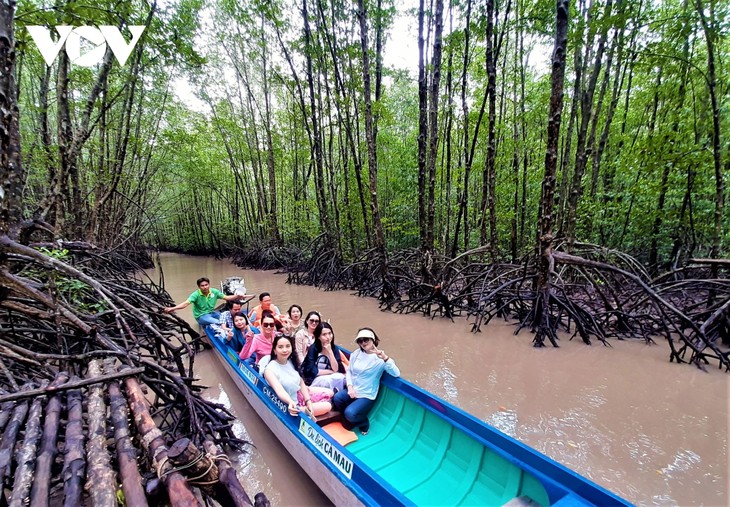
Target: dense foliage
(271, 144)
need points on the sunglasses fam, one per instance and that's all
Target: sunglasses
(363, 340)
(314, 321)
(268, 324)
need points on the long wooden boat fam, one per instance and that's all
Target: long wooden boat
(420, 450)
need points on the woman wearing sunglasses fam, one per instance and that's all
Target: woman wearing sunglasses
(367, 365)
(305, 337)
(260, 345)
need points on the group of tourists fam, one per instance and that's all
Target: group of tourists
(298, 358)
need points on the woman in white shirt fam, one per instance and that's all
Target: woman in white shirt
(283, 376)
(367, 365)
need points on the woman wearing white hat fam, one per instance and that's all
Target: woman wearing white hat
(367, 365)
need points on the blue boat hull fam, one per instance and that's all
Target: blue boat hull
(347, 480)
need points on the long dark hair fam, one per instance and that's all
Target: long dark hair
(293, 357)
(240, 314)
(318, 333)
(313, 312)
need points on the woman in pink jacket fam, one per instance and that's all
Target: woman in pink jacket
(260, 345)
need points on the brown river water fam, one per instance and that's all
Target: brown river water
(649, 430)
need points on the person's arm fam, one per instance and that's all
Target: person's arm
(307, 397)
(239, 298)
(331, 358)
(299, 339)
(224, 325)
(390, 366)
(170, 309)
(246, 350)
(338, 357)
(273, 381)
(309, 366)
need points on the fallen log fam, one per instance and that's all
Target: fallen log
(126, 452)
(229, 490)
(101, 481)
(10, 435)
(69, 385)
(5, 410)
(194, 464)
(26, 457)
(74, 463)
(153, 441)
(40, 492)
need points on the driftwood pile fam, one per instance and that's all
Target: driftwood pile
(71, 442)
(64, 306)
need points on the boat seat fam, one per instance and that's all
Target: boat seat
(329, 417)
(398, 441)
(424, 458)
(498, 481)
(383, 418)
(456, 475)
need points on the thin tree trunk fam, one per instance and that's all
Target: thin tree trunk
(11, 168)
(541, 310)
(464, 195)
(709, 26)
(587, 113)
(270, 166)
(316, 135)
(422, 129)
(433, 100)
(370, 136)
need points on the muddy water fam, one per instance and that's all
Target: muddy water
(651, 431)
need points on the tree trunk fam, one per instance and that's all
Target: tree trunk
(709, 26)
(370, 136)
(541, 310)
(464, 195)
(316, 135)
(587, 112)
(11, 168)
(272, 215)
(422, 129)
(428, 245)
(488, 206)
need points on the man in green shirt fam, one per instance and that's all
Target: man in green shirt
(204, 301)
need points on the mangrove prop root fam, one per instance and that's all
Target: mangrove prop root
(70, 385)
(61, 308)
(593, 292)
